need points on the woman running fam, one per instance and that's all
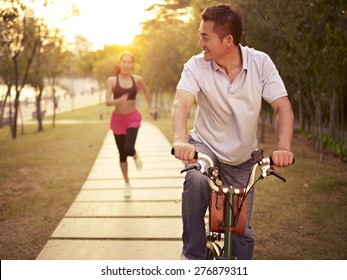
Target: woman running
(126, 119)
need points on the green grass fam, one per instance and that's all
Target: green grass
(306, 217)
(41, 174)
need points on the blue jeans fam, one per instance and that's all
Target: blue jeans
(195, 201)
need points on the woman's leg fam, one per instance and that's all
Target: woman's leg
(130, 146)
(120, 141)
(130, 140)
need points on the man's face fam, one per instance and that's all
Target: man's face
(212, 46)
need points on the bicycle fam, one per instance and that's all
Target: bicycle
(228, 204)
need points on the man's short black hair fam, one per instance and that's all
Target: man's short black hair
(228, 20)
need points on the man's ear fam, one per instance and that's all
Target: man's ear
(228, 40)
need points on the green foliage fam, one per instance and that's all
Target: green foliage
(336, 146)
(306, 40)
(162, 64)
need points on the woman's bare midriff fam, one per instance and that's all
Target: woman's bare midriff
(125, 107)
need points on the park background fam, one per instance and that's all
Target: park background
(44, 160)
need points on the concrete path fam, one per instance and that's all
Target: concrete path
(102, 225)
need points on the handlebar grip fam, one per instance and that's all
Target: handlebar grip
(195, 155)
(271, 161)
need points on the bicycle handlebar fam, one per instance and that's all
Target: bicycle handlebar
(257, 157)
(195, 155)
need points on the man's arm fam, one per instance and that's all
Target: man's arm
(283, 156)
(179, 116)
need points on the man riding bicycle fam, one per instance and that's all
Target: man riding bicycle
(228, 81)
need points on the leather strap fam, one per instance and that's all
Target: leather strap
(227, 228)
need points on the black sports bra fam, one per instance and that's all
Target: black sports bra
(118, 91)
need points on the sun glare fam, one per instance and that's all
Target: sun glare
(102, 22)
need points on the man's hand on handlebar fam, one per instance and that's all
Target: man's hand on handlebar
(281, 158)
(184, 151)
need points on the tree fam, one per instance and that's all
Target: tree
(166, 44)
(104, 62)
(305, 39)
(7, 75)
(19, 38)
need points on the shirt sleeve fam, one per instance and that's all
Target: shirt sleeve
(189, 81)
(273, 86)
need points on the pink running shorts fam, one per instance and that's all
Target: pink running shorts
(121, 122)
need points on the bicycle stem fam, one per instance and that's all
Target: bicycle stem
(229, 222)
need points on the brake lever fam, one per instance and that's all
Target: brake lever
(277, 175)
(267, 172)
(264, 170)
(200, 166)
(196, 167)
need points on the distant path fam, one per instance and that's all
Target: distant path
(85, 94)
(65, 105)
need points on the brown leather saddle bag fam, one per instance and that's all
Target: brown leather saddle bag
(217, 208)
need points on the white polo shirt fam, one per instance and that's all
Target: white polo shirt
(227, 113)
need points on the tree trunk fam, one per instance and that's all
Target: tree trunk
(21, 118)
(301, 112)
(55, 106)
(15, 117)
(319, 130)
(3, 105)
(341, 133)
(332, 116)
(39, 110)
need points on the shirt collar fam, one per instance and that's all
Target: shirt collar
(244, 60)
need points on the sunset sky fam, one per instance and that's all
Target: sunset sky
(100, 22)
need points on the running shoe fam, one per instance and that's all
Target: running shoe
(127, 190)
(138, 162)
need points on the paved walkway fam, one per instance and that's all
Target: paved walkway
(102, 225)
